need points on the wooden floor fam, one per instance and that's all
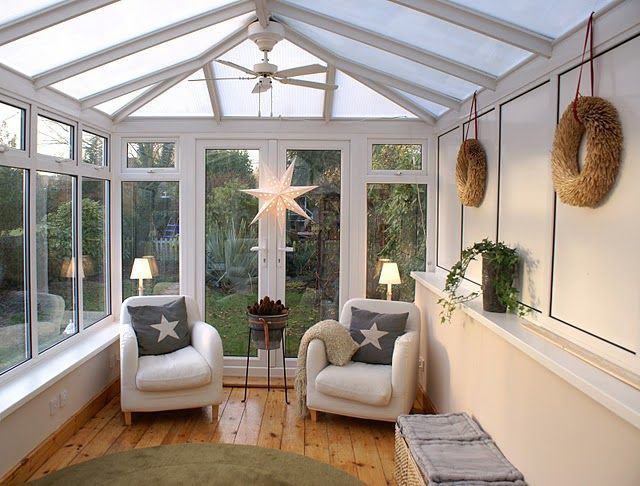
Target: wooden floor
(362, 448)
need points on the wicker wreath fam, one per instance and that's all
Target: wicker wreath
(599, 119)
(471, 172)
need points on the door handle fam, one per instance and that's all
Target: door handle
(286, 249)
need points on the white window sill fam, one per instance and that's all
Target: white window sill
(619, 397)
(31, 379)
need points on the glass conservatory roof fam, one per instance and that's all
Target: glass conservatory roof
(389, 58)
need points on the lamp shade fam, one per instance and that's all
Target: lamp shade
(389, 274)
(153, 263)
(141, 269)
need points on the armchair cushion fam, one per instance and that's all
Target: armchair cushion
(184, 368)
(376, 333)
(160, 329)
(359, 382)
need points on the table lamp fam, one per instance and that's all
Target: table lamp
(141, 270)
(389, 275)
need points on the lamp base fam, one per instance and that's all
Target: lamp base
(389, 297)
(140, 288)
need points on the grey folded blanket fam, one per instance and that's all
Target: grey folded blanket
(339, 347)
(476, 462)
(450, 426)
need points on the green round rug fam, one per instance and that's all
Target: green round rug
(201, 464)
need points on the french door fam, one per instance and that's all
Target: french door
(296, 260)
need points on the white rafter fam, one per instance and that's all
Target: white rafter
(188, 66)
(209, 74)
(384, 43)
(327, 111)
(142, 42)
(262, 12)
(147, 97)
(46, 17)
(369, 73)
(399, 100)
(483, 24)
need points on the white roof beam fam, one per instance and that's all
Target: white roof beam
(46, 17)
(483, 24)
(146, 97)
(327, 111)
(188, 66)
(142, 42)
(369, 73)
(262, 12)
(387, 44)
(408, 105)
(213, 92)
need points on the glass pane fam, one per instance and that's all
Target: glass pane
(55, 258)
(14, 298)
(13, 10)
(151, 228)
(235, 95)
(55, 138)
(231, 268)
(396, 156)
(396, 231)
(353, 99)
(313, 268)
(111, 106)
(159, 155)
(433, 108)
(95, 247)
(12, 126)
(94, 149)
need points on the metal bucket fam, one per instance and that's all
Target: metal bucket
(274, 324)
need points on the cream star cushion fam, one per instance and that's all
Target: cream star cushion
(160, 329)
(375, 334)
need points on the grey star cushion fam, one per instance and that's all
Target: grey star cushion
(160, 329)
(376, 334)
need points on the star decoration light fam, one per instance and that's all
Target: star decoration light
(166, 328)
(372, 336)
(279, 195)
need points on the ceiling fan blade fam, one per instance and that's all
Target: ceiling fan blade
(223, 79)
(308, 84)
(260, 88)
(301, 71)
(237, 66)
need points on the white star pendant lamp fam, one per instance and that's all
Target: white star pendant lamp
(279, 195)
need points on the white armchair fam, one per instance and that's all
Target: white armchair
(372, 391)
(188, 378)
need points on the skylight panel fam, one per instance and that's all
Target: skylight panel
(148, 61)
(288, 101)
(424, 32)
(388, 63)
(433, 108)
(13, 10)
(353, 99)
(547, 17)
(187, 98)
(95, 30)
(111, 106)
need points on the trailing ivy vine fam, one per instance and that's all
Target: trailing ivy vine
(506, 261)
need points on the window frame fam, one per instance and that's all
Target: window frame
(106, 167)
(25, 123)
(395, 172)
(138, 171)
(53, 116)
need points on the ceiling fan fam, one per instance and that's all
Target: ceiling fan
(265, 72)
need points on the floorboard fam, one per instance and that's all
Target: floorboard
(361, 448)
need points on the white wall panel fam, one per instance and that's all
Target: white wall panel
(526, 191)
(479, 223)
(596, 264)
(449, 213)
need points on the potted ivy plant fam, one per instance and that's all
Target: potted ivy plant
(499, 268)
(266, 319)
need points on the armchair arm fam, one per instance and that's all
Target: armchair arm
(128, 357)
(316, 359)
(206, 340)
(404, 364)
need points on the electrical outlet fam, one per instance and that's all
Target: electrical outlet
(421, 363)
(54, 405)
(63, 398)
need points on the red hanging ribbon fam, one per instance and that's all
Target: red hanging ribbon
(587, 38)
(472, 111)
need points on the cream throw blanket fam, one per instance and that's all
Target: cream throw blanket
(339, 346)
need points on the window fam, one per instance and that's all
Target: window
(12, 126)
(55, 138)
(151, 155)
(396, 157)
(396, 231)
(94, 149)
(94, 269)
(151, 228)
(55, 258)
(14, 301)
